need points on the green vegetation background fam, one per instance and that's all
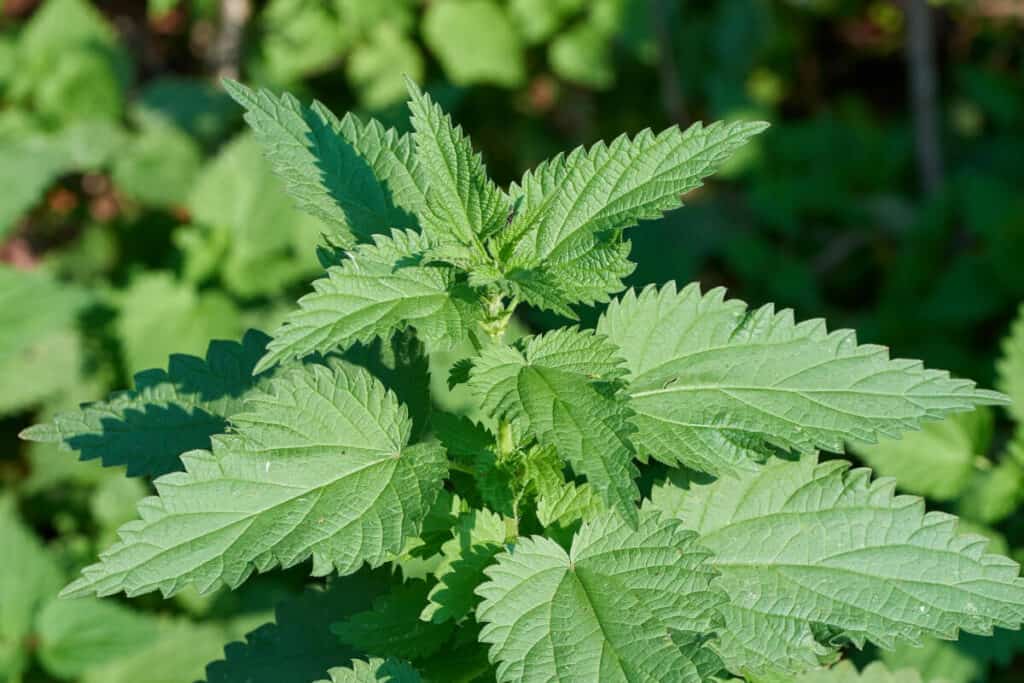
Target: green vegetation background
(137, 220)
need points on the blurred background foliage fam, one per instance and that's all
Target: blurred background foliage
(137, 220)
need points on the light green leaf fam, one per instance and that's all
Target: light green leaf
(537, 20)
(993, 493)
(487, 48)
(715, 385)
(845, 672)
(379, 290)
(374, 671)
(935, 660)
(28, 577)
(584, 54)
(359, 178)
(159, 165)
(570, 202)
(246, 226)
(561, 388)
(298, 38)
(178, 653)
(160, 316)
(39, 344)
(377, 68)
(394, 626)
(318, 465)
(462, 202)
(78, 635)
(895, 574)
(560, 504)
(168, 413)
(938, 460)
(1011, 367)
(478, 536)
(623, 604)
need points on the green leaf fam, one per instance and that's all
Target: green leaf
(245, 224)
(1011, 368)
(298, 39)
(394, 626)
(488, 49)
(845, 672)
(28, 577)
(847, 581)
(39, 345)
(374, 671)
(69, 63)
(937, 660)
(569, 203)
(622, 604)
(937, 461)
(561, 387)
(379, 290)
(168, 413)
(178, 653)
(560, 504)
(377, 68)
(160, 164)
(160, 316)
(994, 493)
(462, 202)
(478, 536)
(715, 385)
(584, 54)
(319, 465)
(298, 646)
(78, 635)
(357, 177)
(473, 445)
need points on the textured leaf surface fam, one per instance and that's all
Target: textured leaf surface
(478, 536)
(621, 605)
(938, 460)
(803, 542)
(560, 386)
(168, 413)
(319, 466)
(373, 671)
(358, 177)
(393, 626)
(714, 384)
(569, 201)
(1011, 368)
(379, 290)
(462, 202)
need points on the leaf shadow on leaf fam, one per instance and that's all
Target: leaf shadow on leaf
(298, 646)
(363, 217)
(161, 433)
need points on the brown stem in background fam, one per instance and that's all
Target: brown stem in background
(672, 99)
(923, 75)
(226, 51)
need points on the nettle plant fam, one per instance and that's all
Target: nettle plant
(523, 546)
